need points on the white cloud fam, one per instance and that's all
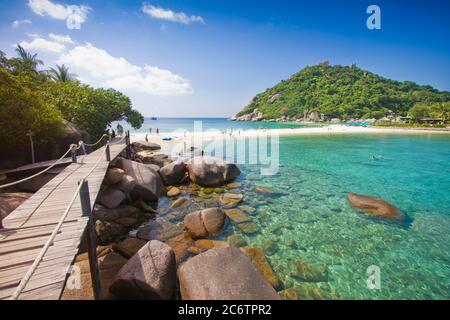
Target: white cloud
(61, 39)
(41, 44)
(18, 23)
(59, 11)
(99, 67)
(169, 15)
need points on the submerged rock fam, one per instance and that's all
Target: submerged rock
(236, 241)
(150, 274)
(230, 200)
(173, 192)
(261, 263)
(159, 229)
(310, 272)
(204, 223)
(248, 227)
(223, 274)
(237, 215)
(375, 206)
(210, 171)
(180, 245)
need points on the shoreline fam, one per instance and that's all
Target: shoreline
(326, 130)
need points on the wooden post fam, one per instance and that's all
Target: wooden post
(74, 155)
(127, 140)
(91, 239)
(108, 152)
(30, 134)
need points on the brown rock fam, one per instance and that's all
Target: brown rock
(173, 192)
(108, 231)
(375, 206)
(223, 274)
(150, 146)
(258, 258)
(127, 184)
(128, 247)
(148, 186)
(111, 198)
(236, 241)
(237, 215)
(159, 229)
(310, 272)
(248, 227)
(127, 222)
(204, 223)
(179, 202)
(149, 274)
(210, 171)
(114, 175)
(173, 173)
(231, 199)
(206, 244)
(180, 245)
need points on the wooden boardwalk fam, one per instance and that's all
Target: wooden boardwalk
(28, 228)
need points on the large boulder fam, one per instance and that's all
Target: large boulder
(114, 175)
(210, 171)
(128, 247)
(150, 274)
(223, 274)
(204, 223)
(10, 201)
(375, 206)
(173, 173)
(149, 186)
(111, 198)
(147, 146)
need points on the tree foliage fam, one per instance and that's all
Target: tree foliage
(343, 92)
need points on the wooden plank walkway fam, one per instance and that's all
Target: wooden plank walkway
(27, 229)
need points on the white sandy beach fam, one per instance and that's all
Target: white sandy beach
(326, 130)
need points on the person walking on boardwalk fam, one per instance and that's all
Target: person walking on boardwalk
(119, 130)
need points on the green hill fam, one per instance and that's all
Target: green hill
(338, 92)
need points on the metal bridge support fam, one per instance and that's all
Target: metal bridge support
(91, 240)
(74, 155)
(108, 152)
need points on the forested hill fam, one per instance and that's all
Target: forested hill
(339, 92)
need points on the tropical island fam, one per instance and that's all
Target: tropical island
(337, 93)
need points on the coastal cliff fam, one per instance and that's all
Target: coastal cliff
(324, 92)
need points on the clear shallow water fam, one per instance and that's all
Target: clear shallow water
(171, 124)
(312, 221)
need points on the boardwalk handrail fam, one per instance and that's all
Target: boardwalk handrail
(24, 281)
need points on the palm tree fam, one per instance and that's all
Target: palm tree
(28, 59)
(61, 74)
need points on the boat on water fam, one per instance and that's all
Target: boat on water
(153, 118)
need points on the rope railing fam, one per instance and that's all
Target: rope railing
(24, 281)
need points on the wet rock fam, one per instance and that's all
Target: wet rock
(236, 241)
(248, 227)
(375, 206)
(149, 146)
(204, 223)
(233, 185)
(247, 209)
(230, 200)
(10, 201)
(180, 202)
(159, 229)
(206, 244)
(310, 272)
(180, 245)
(223, 274)
(111, 198)
(264, 190)
(149, 186)
(210, 171)
(173, 173)
(312, 291)
(113, 176)
(173, 192)
(128, 247)
(109, 231)
(150, 274)
(237, 215)
(270, 247)
(259, 260)
(289, 294)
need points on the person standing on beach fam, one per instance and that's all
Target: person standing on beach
(157, 131)
(146, 137)
(150, 130)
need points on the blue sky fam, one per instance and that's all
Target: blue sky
(209, 58)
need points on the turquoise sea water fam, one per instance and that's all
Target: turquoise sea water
(311, 222)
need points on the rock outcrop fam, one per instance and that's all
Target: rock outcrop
(375, 206)
(210, 171)
(111, 198)
(173, 173)
(223, 274)
(150, 274)
(149, 186)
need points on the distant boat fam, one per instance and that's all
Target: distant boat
(153, 118)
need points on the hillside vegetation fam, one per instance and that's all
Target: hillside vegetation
(341, 92)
